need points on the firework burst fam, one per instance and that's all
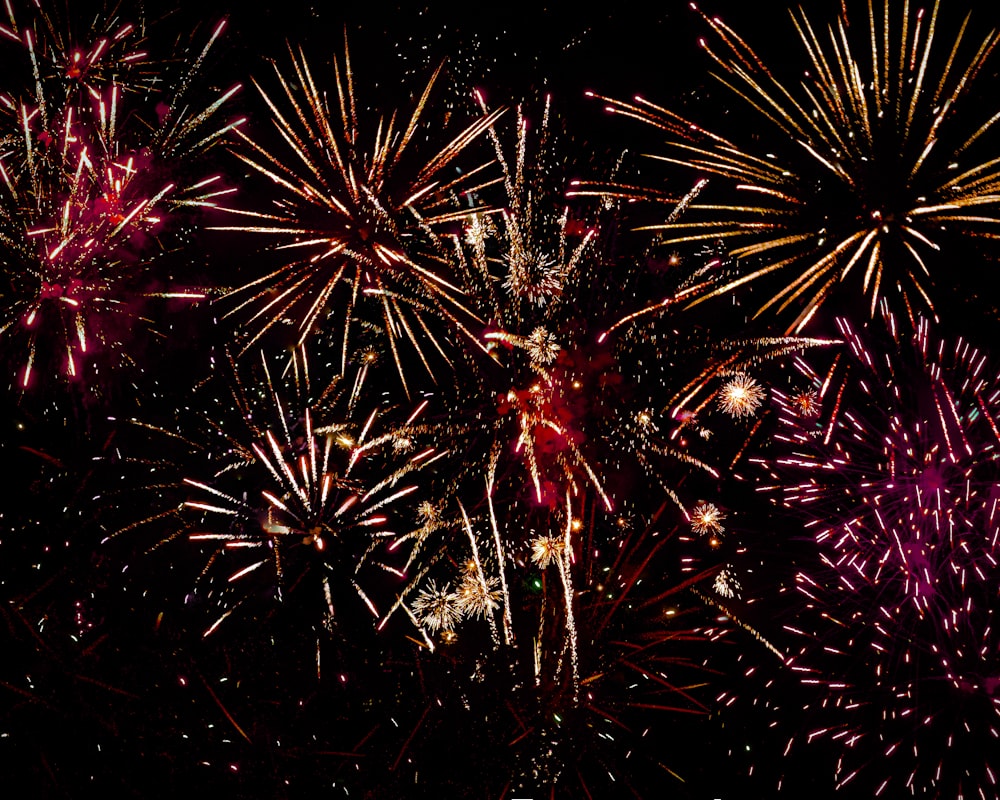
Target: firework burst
(706, 518)
(567, 383)
(437, 607)
(867, 169)
(361, 224)
(62, 63)
(293, 494)
(741, 396)
(898, 482)
(524, 262)
(89, 186)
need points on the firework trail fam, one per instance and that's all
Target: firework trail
(598, 642)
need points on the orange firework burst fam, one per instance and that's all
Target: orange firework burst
(547, 549)
(741, 396)
(707, 518)
(806, 403)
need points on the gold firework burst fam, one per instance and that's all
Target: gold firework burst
(547, 549)
(707, 518)
(358, 224)
(864, 170)
(741, 396)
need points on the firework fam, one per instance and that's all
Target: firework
(897, 481)
(726, 584)
(565, 382)
(476, 597)
(707, 518)
(546, 550)
(294, 494)
(63, 62)
(864, 171)
(361, 224)
(563, 418)
(741, 396)
(596, 644)
(805, 402)
(524, 263)
(535, 241)
(438, 607)
(90, 184)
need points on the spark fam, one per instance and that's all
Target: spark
(706, 518)
(438, 607)
(726, 584)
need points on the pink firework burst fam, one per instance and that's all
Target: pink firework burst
(897, 480)
(89, 186)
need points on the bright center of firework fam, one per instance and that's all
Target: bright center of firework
(533, 276)
(741, 396)
(707, 518)
(546, 549)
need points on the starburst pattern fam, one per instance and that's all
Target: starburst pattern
(546, 549)
(898, 484)
(741, 396)
(805, 403)
(459, 548)
(91, 183)
(293, 494)
(706, 518)
(864, 171)
(359, 221)
(438, 607)
(477, 597)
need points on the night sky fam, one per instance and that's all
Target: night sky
(165, 630)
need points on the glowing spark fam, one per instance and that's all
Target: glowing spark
(706, 518)
(437, 607)
(741, 396)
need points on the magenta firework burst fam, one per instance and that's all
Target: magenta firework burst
(93, 177)
(898, 483)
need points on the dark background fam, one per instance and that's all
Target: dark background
(102, 687)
